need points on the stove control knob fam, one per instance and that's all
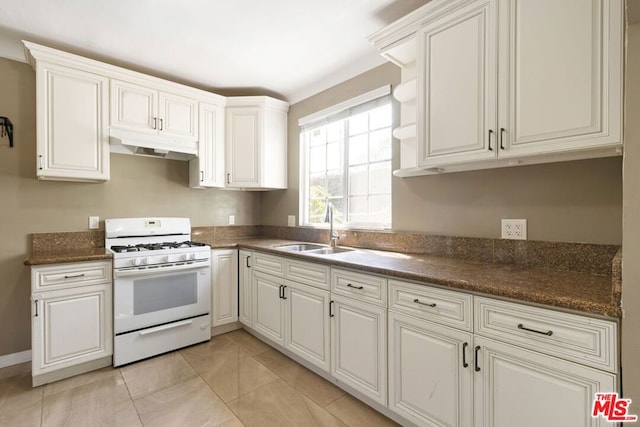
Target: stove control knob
(192, 256)
(184, 257)
(165, 258)
(145, 260)
(136, 261)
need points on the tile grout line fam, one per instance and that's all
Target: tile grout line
(133, 402)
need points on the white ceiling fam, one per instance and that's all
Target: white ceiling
(287, 48)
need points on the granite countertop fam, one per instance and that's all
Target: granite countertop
(71, 255)
(593, 294)
(588, 293)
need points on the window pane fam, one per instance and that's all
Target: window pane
(380, 209)
(316, 184)
(380, 178)
(380, 145)
(317, 208)
(317, 157)
(358, 184)
(317, 137)
(358, 148)
(335, 131)
(335, 184)
(338, 211)
(359, 123)
(380, 117)
(334, 155)
(358, 209)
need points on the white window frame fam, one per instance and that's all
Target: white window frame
(318, 117)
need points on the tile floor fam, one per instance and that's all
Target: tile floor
(232, 380)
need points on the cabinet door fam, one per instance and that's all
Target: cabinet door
(178, 116)
(359, 347)
(560, 89)
(207, 170)
(70, 327)
(134, 107)
(268, 306)
(72, 124)
(307, 323)
(243, 135)
(224, 295)
(430, 372)
(456, 84)
(520, 387)
(244, 287)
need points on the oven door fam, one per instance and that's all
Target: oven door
(144, 298)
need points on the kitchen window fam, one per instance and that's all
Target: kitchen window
(345, 158)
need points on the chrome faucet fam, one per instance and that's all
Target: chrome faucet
(328, 217)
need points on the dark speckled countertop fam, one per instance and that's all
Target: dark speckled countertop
(596, 294)
(583, 292)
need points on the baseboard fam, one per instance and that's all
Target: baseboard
(15, 358)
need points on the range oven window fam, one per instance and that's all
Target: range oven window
(164, 292)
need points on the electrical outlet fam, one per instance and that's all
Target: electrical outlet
(232, 219)
(514, 229)
(94, 222)
(291, 220)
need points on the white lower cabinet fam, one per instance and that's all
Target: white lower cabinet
(268, 309)
(519, 387)
(359, 346)
(224, 292)
(430, 372)
(451, 359)
(244, 288)
(307, 323)
(70, 325)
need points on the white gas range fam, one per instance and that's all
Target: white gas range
(161, 286)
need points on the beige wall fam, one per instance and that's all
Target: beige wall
(631, 225)
(572, 201)
(139, 186)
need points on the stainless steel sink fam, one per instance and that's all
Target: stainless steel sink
(328, 251)
(301, 247)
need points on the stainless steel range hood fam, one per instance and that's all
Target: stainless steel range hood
(136, 143)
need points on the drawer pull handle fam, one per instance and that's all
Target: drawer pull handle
(521, 326)
(355, 287)
(417, 301)
(74, 276)
(476, 358)
(464, 355)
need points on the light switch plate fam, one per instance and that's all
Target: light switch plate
(232, 219)
(291, 220)
(94, 222)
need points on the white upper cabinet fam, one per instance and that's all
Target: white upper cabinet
(256, 143)
(457, 86)
(508, 82)
(144, 109)
(207, 170)
(560, 89)
(72, 124)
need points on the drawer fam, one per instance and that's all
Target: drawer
(365, 287)
(582, 339)
(267, 263)
(59, 276)
(317, 275)
(449, 308)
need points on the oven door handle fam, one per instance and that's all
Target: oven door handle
(159, 270)
(165, 327)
